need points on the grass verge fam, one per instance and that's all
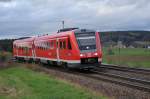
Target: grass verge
(132, 57)
(22, 83)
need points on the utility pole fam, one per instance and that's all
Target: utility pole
(63, 24)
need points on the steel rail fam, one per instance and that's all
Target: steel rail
(131, 85)
(127, 69)
(124, 78)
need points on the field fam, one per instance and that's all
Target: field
(133, 57)
(22, 83)
(18, 82)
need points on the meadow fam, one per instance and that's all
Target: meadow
(18, 82)
(132, 57)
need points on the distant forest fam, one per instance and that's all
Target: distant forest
(128, 38)
(6, 44)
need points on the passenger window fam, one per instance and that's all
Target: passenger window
(47, 45)
(64, 44)
(69, 44)
(57, 44)
(61, 45)
(52, 44)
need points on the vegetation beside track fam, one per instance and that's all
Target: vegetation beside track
(21, 83)
(132, 57)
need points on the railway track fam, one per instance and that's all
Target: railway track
(97, 74)
(134, 82)
(140, 84)
(126, 69)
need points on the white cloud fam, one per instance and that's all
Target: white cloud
(32, 17)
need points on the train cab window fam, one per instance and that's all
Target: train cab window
(86, 41)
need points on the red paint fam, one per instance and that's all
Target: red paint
(46, 47)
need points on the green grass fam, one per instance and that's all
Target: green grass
(133, 57)
(22, 83)
(129, 51)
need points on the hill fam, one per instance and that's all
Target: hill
(128, 38)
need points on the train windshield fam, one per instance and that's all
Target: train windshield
(86, 41)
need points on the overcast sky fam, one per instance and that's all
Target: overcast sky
(33, 17)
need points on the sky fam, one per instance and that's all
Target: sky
(20, 18)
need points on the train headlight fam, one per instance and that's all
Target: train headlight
(96, 54)
(81, 55)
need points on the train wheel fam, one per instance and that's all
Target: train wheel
(65, 65)
(50, 63)
(37, 61)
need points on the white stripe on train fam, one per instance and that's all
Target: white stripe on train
(51, 59)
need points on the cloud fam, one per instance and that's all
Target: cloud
(34, 17)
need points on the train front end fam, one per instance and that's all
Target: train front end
(89, 46)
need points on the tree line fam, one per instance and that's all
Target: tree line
(127, 37)
(6, 45)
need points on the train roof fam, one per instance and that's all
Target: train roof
(64, 32)
(54, 35)
(60, 33)
(26, 39)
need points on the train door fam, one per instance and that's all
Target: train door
(57, 50)
(17, 50)
(63, 49)
(33, 50)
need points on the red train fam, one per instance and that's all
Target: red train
(73, 48)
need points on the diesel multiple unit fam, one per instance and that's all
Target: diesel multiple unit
(74, 48)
